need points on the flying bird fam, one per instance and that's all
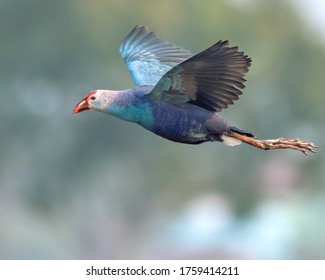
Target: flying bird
(178, 95)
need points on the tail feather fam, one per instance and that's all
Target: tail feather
(242, 132)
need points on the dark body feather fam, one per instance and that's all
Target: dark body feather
(187, 123)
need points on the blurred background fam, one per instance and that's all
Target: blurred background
(90, 186)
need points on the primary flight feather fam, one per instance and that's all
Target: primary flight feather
(177, 95)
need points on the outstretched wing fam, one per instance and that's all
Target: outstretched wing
(212, 79)
(148, 57)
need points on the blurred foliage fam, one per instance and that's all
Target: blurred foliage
(91, 186)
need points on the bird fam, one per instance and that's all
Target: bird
(179, 96)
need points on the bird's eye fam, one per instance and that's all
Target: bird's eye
(93, 97)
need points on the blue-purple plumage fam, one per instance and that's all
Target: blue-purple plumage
(185, 123)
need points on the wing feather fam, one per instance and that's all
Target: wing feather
(148, 57)
(212, 79)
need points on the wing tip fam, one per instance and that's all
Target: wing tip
(137, 31)
(225, 44)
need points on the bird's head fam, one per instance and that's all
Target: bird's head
(97, 100)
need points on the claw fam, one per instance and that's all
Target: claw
(305, 147)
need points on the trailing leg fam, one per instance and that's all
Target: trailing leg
(305, 147)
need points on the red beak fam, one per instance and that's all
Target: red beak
(82, 106)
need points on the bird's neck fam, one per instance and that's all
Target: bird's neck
(132, 105)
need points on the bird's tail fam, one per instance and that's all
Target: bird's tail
(242, 132)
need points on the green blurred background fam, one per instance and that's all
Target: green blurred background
(90, 186)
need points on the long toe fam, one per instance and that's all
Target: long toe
(305, 147)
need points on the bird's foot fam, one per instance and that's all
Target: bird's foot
(305, 147)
